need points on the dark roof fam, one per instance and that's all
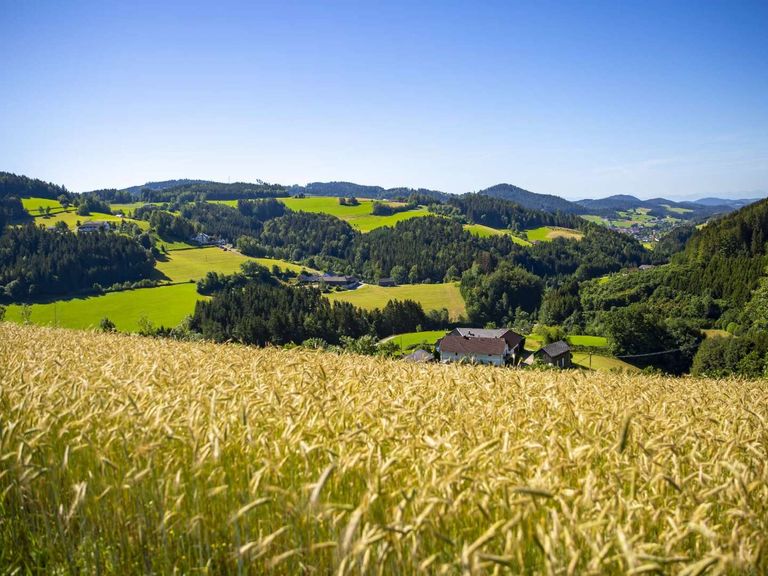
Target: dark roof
(464, 345)
(327, 278)
(556, 349)
(419, 355)
(512, 338)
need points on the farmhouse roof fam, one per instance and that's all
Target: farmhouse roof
(510, 336)
(457, 344)
(556, 349)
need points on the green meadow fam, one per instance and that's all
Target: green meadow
(126, 209)
(72, 218)
(283, 265)
(33, 205)
(359, 216)
(430, 296)
(602, 363)
(195, 263)
(677, 210)
(410, 340)
(163, 306)
(547, 233)
(486, 231)
(584, 340)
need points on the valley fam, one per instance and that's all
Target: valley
(473, 259)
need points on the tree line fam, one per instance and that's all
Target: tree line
(36, 262)
(254, 308)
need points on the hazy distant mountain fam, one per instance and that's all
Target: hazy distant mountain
(532, 200)
(734, 203)
(661, 207)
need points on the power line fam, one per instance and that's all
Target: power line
(659, 353)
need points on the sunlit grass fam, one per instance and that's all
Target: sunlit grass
(430, 296)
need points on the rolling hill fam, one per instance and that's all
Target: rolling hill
(532, 200)
(348, 189)
(659, 207)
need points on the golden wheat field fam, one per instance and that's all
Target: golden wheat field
(126, 455)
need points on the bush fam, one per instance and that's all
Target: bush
(106, 325)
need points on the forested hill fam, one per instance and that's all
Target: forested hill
(532, 200)
(14, 187)
(500, 213)
(741, 233)
(728, 256)
(350, 189)
(23, 187)
(164, 184)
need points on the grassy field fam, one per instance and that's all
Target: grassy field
(677, 210)
(410, 340)
(430, 296)
(602, 363)
(359, 217)
(126, 209)
(173, 244)
(33, 205)
(283, 265)
(195, 263)
(486, 231)
(129, 455)
(584, 340)
(72, 218)
(163, 306)
(68, 215)
(546, 233)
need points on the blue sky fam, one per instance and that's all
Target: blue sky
(579, 99)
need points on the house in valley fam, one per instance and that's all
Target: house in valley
(497, 346)
(329, 280)
(201, 238)
(94, 226)
(556, 354)
(387, 283)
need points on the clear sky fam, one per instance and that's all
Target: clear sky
(579, 99)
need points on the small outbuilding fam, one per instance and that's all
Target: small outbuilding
(387, 283)
(420, 356)
(556, 354)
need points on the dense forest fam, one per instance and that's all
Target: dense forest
(12, 185)
(498, 213)
(36, 262)
(252, 308)
(194, 191)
